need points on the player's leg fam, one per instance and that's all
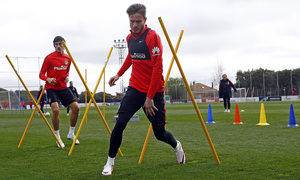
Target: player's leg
(73, 120)
(55, 122)
(55, 115)
(228, 102)
(68, 109)
(74, 114)
(42, 106)
(225, 104)
(53, 101)
(131, 103)
(158, 124)
(67, 98)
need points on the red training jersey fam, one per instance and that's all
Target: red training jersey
(56, 65)
(146, 75)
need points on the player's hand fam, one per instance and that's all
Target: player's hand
(66, 79)
(51, 81)
(149, 107)
(113, 80)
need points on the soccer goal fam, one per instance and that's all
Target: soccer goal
(241, 94)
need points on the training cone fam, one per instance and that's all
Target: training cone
(292, 121)
(262, 118)
(210, 116)
(237, 119)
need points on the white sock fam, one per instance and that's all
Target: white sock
(57, 134)
(110, 161)
(71, 131)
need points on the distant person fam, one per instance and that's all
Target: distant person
(43, 99)
(146, 86)
(225, 91)
(23, 105)
(74, 91)
(295, 91)
(4, 104)
(55, 71)
(30, 104)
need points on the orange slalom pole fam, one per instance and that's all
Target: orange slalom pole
(165, 85)
(30, 119)
(92, 99)
(189, 90)
(33, 100)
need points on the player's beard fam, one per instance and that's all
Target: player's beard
(60, 50)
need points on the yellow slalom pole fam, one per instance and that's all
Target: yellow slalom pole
(165, 85)
(85, 93)
(189, 90)
(33, 100)
(30, 119)
(92, 99)
(145, 144)
(104, 94)
(172, 61)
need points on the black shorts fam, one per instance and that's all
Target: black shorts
(65, 96)
(134, 100)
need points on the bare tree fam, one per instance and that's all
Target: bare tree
(217, 76)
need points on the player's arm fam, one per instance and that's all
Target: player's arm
(44, 70)
(76, 93)
(232, 85)
(66, 80)
(154, 44)
(156, 50)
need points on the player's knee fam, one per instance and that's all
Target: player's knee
(75, 109)
(159, 133)
(55, 110)
(123, 119)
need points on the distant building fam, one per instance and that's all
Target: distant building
(201, 91)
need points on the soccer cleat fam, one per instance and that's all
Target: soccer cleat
(228, 110)
(60, 141)
(225, 110)
(179, 153)
(72, 138)
(67, 114)
(107, 170)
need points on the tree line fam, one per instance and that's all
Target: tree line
(264, 82)
(258, 82)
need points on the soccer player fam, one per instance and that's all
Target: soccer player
(74, 91)
(225, 91)
(43, 99)
(146, 85)
(55, 71)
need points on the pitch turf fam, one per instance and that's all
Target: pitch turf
(245, 151)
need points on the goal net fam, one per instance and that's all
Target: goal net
(241, 94)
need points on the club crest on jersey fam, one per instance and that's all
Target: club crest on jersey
(66, 62)
(155, 51)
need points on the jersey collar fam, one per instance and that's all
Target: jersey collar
(139, 35)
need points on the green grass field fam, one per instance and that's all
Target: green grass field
(245, 151)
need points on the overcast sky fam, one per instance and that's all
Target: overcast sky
(236, 34)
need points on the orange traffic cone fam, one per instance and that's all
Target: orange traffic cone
(237, 119)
